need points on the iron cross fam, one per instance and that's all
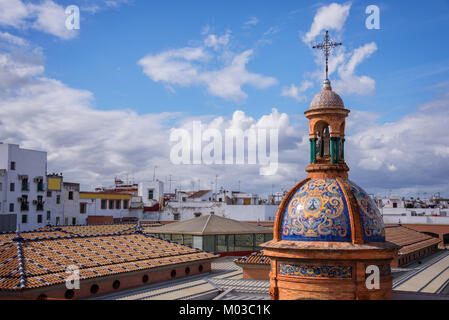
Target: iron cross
(327, 45)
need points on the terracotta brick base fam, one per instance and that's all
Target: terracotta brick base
(106, 284)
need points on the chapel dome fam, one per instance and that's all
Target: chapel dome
(329, 210)
(327, 98)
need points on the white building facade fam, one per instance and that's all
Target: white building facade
(22, 190)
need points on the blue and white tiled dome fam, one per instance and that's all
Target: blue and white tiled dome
(321, 210)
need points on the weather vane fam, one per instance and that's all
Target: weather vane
(327, 45)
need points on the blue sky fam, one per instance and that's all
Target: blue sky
(103, 58)
(126, 56)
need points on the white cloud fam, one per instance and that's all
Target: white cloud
(189, 66)
(349, 83)
(341, 62)
(297, 92)
(12, 39)
(410, 152)
(217, 42)
(328, 17)
(50, 18)
(93, 146)
(252, 21)
(13, 13)
(19, 63)
(46, 16)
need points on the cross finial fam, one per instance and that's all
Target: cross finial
(327, 45)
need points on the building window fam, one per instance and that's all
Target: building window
(103, 204)
(11, 187)
(57, 221)
(40, 186)
(74, 221)
(176, 216)
(197, 214)
(13, 165)
(24, 218)
(70, 195)
(150, 194)
(39, 218)
(58, 199)
(11, 207)
(111, 204)
(24, 204)
(25, 185)
(125, 204)
(118, 204)
(83, 207)
(40, 203)
(1, 187)
(48, 215)
(48, 194)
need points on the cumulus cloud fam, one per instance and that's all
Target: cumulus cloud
(92, 146)
(190, 66)
(349, 82)
(13, 13)
(46, 16)
(410, 153)
(19, 63)
(12, 39)
(331, 17)
(296, 92)
(342, 63)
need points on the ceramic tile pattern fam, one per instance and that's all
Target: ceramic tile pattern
(41, 258)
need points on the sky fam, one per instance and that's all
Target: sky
(102, 100)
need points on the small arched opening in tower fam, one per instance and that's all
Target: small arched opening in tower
(323, 139)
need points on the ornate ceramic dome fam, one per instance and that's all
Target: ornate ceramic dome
(331, 210)
(328, 232)
(327, 98)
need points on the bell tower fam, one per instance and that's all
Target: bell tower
(329, 235)
(327, 118)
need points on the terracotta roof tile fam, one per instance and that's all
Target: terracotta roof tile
(45, 260)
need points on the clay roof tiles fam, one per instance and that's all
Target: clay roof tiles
(39, 259)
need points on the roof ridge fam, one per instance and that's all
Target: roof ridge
(20, 262)
(207, 222)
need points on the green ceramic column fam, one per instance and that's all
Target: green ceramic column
(343, 148)
(313, 150)
(334, 149)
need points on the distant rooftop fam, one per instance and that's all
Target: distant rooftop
(209, 225)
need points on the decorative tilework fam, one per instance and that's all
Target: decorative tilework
(372, 222)
(317, 212)
(315, 271)
(326, 98)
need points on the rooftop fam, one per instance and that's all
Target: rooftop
(41, 258)
(209, 225)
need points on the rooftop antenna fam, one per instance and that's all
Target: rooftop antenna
(154, 173)
(326, 46)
